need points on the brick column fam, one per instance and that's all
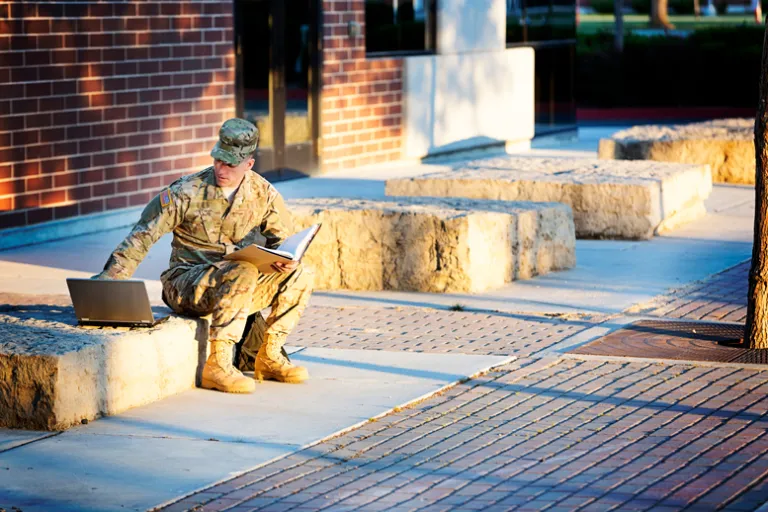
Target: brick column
(361, 99)
(104, 103)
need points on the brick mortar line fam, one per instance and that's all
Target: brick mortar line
(130, 148)
(162, 145)
(126, 17)
(85, 169)
(80, 185)
(76, 32)
(454, 422)
(594, 434)
(71, 202)
(116, 77)
(363, 131)
(345, 74)
(127, 119)
(367, 154)
(137, 119)
(103, 151)
(170, 58)
(96, 183)
(358, 119)
(115, 92)
(351, 131)
(126, 106)
(381, 81)
(111, 77)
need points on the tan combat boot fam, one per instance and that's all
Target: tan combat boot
(271, 364)
(218, 372)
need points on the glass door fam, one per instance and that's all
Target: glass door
(278, 50)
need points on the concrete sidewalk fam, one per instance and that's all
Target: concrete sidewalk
(540, 432)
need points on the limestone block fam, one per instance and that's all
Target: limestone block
(727, 145)
(435, 244)
(53, 374)
(632, 200)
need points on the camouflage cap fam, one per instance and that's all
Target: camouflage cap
(238, 139)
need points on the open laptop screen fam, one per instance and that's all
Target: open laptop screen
(110, 302)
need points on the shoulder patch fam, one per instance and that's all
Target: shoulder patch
(165, 198)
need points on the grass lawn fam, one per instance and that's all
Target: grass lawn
(593, 23)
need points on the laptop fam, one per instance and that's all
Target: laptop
(119, 303)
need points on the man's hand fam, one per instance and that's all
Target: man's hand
(284, 268)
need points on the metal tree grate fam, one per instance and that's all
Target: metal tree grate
(681, 341)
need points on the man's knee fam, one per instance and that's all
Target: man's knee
(305, 276)
(242, 272)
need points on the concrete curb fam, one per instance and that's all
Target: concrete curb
(66, 228)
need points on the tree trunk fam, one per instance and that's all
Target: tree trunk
(696, 9)
(756, 330)
(618, 35)
(659, 16)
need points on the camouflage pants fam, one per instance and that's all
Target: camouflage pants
(233, 291)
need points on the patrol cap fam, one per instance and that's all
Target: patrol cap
(238, 140)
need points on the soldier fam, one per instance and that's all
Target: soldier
(211, 214)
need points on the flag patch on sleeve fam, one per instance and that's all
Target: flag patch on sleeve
(165, 198)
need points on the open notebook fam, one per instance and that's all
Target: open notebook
(292, 249)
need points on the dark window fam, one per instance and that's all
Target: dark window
(554, 88)
(515, 21)
(399, 26)
(540, 20)
(549, 26)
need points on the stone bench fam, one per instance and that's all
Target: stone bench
(727, 145)
(53, 374)
(433, 245)
(631, 200)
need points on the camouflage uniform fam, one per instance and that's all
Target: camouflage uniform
(206, 228)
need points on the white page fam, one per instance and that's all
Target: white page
(295, 245)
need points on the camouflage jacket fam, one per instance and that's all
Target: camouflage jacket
(204, 226)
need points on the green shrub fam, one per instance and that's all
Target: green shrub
(712, 67)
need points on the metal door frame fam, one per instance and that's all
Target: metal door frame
(274, 159)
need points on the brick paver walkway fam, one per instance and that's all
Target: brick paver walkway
(723, 297)
(568, 435)
(541, 433)
(430, 330)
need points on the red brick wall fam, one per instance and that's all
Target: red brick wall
(361, 99)
(104, 103)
